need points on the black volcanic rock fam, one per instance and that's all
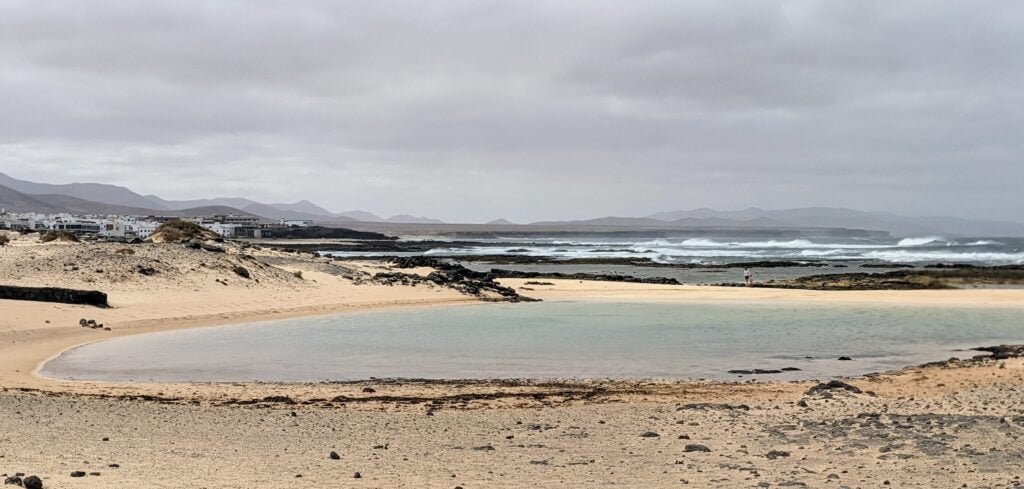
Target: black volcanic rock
(54, 294)
(833, 385)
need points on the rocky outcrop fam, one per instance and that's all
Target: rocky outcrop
(54, 294)
(451, 275)
(931, 277)
(501, 273)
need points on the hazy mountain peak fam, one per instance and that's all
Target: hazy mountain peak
(410, 219)
(304, 206)
(96, 192)
(360, 216)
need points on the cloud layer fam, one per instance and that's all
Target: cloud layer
(470, 110)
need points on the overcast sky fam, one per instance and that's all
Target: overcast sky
(473, 110)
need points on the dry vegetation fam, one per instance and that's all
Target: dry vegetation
(179, 231)
(51, 236)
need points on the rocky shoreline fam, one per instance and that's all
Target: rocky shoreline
(933, 277)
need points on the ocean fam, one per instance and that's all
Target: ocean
(921, 250)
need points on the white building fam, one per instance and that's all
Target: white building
(225, 230)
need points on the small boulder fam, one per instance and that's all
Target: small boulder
(832, 385)
(334, 456)
(33, 482)
(695, 447)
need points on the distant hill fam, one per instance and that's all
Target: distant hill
(13, 201)
(236, 202)
(407, 219)
(117, 199)
(501, 222)
(96, 192)
(304, 206)
(847, 218)
(360, 216)
(607, 221)
(686, 222)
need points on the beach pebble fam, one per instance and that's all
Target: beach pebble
(774, 454)
(14, 481)
(845, 358)
(695, 447)
(78, 473)
(334, 456)
(649, 434)
(32, 482)
(357, 475)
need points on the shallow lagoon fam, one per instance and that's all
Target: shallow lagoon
(552, 340)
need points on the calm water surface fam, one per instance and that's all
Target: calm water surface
(551, 340)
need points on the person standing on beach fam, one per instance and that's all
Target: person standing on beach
(748, 277)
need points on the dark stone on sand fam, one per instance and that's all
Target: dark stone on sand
(369, 390)
(696, 447)
(1003, 352)
(241, 271)
(78, 473)
(114, 466)
(774, 454)
(708, 406)
(790, 369)
(54, 294)
(32, 482)
(756, 371)
(845, 358)
(832, 385)
(14, 481)
(334, 456)
(279, 399)
(650, 434)
(357, 475)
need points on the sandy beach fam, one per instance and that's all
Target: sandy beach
(922, 427)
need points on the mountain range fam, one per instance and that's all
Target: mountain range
(97, 198)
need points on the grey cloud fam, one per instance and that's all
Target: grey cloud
(539, 109)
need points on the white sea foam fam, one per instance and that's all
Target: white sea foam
(983, 242)
(774, 244)
(919, 256)
(920, 241)
(918, 249)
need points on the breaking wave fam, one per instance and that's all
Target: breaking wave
(906, 242)
(711, 250)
